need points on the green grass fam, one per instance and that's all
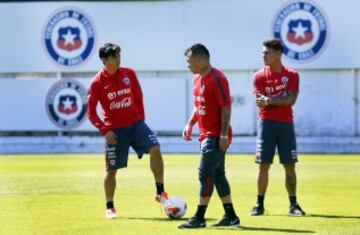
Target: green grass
(63, 194)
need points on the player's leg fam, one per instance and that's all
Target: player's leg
(109, 187)
(157, 164)
(223, 189)
(288, 157)
(207, 168)
(265, 151)
(116, 157)
(145, 141)
(262, 184)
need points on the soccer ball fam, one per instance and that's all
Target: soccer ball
(175, 207)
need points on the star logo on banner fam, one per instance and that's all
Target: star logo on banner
(67, 103)
(300, 31)
(69, 38)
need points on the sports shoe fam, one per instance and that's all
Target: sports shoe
(296, 210)
(194, 222)
(162, 198)
(226, 221)
(257, 210)
(110, 213)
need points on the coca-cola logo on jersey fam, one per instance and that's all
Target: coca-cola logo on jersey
(121, 104)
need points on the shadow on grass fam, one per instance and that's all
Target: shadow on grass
(322, 216)
(281, 230)
(153, 219)
(333, 216)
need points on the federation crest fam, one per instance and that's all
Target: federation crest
(66, 103)
(69, 37)
(303, 29)
(126, 80)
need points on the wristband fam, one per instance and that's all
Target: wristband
(224, 137)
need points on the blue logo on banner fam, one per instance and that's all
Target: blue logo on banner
(69, 37)
(66, 103)
(303, 29)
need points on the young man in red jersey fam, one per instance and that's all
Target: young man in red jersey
(275, 91)
(118, 91)
(212, 111)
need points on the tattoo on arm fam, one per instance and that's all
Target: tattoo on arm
(286, 100)
(225, 120)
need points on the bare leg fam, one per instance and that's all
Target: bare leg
(157, 164)
(226, 199)
(263, 178)
(204, 200)
(110, 185)
(290, 179)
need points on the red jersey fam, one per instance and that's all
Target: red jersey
(211, 93)
(272, 84)
(120, 97)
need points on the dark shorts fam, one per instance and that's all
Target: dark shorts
(139, 136)
(272, 135)
(212, 161)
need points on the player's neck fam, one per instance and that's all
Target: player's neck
(276, 67)
(205, 71)
(111, 70)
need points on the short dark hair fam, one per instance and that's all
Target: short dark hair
(198, 50)
(274, 43)
(108, 49)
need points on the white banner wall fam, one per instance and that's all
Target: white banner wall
(23, 102)
(153, 35)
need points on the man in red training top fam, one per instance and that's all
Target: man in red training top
(275, 91)
(212, 111)
(118, 91)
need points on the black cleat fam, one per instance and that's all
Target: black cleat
(194, 222)
(257, 210)
(296, 210)
(226, 221)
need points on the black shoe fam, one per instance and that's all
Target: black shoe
(194, 222)
(257, 210)
(296, 210)
(226, 221)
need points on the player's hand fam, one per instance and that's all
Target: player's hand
(187, 132)
(261, 100)
(110, 138)
(223, 143)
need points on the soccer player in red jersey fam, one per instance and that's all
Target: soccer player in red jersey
(118, 91)
(275, 91)
(212, 109)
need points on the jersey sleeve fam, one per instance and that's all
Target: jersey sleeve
(258, 85)
(222, 90)
(138, 95)
(93, 100)
(294, 83)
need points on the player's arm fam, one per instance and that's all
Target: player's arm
(138, 95)
(288, 99)
(189, 126)
(93, 100)
(222, 94)
(225, 125)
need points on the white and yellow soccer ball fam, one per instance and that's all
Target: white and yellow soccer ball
(175, 207)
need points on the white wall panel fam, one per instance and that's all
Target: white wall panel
(325, 105)
(243, 109)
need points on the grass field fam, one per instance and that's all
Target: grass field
(63, 194)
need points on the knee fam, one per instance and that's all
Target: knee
(110, 174)
(155, 151)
